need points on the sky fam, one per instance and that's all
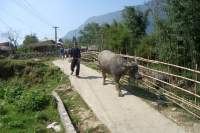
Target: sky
(39, 16)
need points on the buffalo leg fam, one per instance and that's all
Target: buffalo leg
(104, 77)
(118, 87)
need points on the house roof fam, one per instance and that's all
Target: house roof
(42, 44)
(6, 46)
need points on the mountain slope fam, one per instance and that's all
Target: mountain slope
(107, 18)
(110, 17)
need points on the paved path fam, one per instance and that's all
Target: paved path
(128, 114)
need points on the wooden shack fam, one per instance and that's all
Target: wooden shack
(6, 48)
(43, 46)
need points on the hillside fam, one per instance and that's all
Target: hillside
(108, 18)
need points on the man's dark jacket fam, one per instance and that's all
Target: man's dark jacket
(76, 53)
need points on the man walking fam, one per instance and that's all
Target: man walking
(62, 52)
(76, 55)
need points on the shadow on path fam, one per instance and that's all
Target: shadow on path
(129, 90)
(139, 92)
(90, 77)
(109, 82)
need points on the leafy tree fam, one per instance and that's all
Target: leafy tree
(90, 34)
(67, 43)
(147, 47)
(104, 31)
(182, 30)
(117, 38)
(136, 23)
(29, 39)
(74, 40)
(12, 36)
(166, 50)
(121, 37)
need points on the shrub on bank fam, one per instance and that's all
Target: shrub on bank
(34, 100)
(25, 95)
(3, 111)
(2, 91)
(13, 94)
(16, 124)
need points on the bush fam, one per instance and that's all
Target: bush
(13, 94)
(41, 117)
(16, 124)
(34, 100)
(2, 92)
(40, 129)
(9, 68)
(147, 47)
(3, 111)
(6, 118)
(54, 102)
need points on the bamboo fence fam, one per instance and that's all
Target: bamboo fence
(189, 105)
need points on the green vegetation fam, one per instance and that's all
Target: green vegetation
(90, 33)
(179, 34)
(26, 104)
(120, 37)
(29, 39)
(175, 38)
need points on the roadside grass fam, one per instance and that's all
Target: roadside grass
(90, 65)
(81, 115)
(26, 104)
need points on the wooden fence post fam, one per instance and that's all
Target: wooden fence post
(195, 87)
(148, 63)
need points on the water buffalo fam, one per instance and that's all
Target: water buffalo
(117, 66)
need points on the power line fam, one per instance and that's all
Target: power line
(26, 8)
(36, 11)
(16, 18)
(12, 16)
(4, 22)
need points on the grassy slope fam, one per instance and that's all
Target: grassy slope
(29, 76)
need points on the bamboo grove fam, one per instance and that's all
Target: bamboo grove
(175, 38)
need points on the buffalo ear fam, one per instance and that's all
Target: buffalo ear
(131, 64)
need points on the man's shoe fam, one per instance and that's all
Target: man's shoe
(71, 73)
(77, 76)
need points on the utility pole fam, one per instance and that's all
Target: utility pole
(55, 28)
(102, 41)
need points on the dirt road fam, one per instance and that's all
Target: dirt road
(128, 114)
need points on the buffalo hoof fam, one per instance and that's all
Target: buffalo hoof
(120, 94)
